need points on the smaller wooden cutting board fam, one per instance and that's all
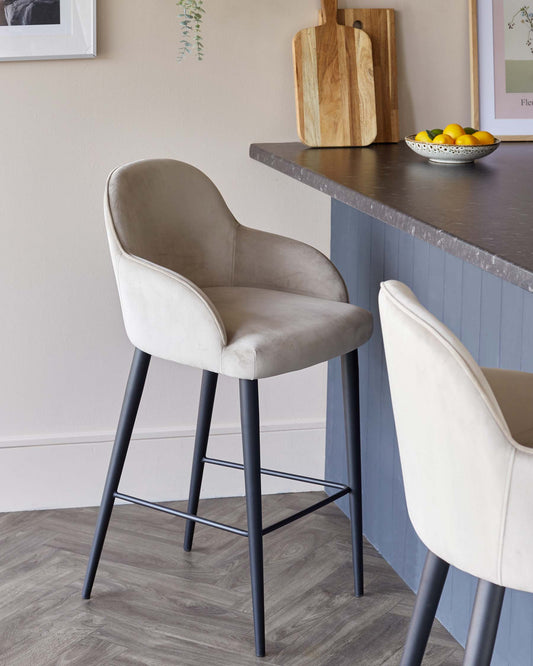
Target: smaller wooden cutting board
(334, 80)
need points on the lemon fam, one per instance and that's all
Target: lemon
(484, 138)
(454, 130)
(466, 140)
(423, 137)
(443, 138)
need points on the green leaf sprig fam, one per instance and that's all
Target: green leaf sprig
(524, 15)
(190, 17)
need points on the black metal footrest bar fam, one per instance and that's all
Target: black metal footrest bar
(283, 475)
(181, 514)
(305, 512)
(343, 490)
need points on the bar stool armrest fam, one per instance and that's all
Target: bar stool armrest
(167, 315)
(270, 261)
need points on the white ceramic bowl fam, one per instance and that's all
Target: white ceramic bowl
(444, 153)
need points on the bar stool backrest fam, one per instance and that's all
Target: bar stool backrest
(455, 447)
(171, 214)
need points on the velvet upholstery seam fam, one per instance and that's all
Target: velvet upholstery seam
(505, 512)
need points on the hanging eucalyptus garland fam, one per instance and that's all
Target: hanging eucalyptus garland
(191, 14)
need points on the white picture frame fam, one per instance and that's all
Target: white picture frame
(496, 106)
(74, 36)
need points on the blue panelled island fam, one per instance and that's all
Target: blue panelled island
(462, 238)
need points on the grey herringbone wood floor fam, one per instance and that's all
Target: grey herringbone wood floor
(154, 605)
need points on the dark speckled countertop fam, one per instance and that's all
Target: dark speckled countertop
(480, 212)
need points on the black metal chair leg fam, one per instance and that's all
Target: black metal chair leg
(350, 388)
(252, 477)
(427, 600)
(205, 411)
(130, 405)
(484, 624)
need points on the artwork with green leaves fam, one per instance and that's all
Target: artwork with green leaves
(519, 49)
(504, 54)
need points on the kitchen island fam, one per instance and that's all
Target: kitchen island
(462, 238)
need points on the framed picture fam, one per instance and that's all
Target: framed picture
(47, 29)
(501, 62)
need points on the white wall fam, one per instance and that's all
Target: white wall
(66, 124)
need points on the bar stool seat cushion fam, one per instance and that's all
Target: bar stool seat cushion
(272, 332)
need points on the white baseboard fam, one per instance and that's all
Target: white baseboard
(69, 470)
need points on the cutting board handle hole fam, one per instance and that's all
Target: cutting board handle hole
(358, 25)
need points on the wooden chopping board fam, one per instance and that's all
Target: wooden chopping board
(334, 80)
(379, 25)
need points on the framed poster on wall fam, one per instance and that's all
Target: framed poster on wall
(47, 29)
(502, 67)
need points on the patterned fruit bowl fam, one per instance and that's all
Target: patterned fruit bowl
(443, 153)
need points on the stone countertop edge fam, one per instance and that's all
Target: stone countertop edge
(491, 263)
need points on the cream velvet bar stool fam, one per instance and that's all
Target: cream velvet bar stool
(198, 288)
(465, 436)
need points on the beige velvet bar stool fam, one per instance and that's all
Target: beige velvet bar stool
(198, 288)
(465, 436)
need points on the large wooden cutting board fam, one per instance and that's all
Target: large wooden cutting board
(335, 96)
(379, 24)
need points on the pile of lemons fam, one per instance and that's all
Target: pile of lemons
(455, 134)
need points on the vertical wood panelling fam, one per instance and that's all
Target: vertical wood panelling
(374, 416)
(414, 554)
(511, 326)
(504, 650)
(357, 278)
(526, 361)
(390, 460)
(401, 526)
(471, 309)
(453, 292)
(514, 641)
(420, 282)
(436, 281)
(490, 318)
(495, 321)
